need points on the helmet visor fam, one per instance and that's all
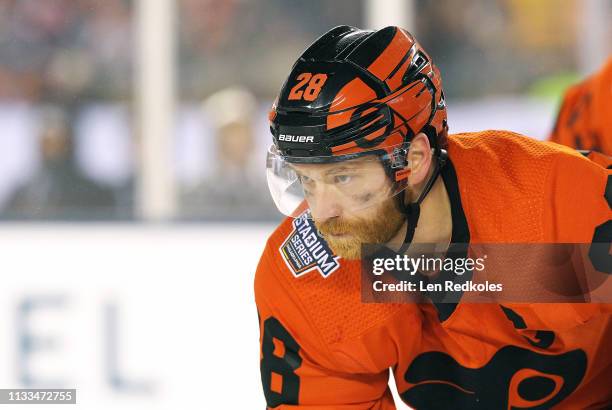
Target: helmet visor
(330, 186)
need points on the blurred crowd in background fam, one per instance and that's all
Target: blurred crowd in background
(68, 146)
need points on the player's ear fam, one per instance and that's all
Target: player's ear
(419, 159)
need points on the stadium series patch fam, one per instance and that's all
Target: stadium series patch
(304, 250)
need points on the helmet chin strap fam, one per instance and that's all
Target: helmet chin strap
(413, 209)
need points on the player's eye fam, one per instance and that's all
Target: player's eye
(305, 180)
(342, 179)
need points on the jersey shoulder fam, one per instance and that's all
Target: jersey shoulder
(510, 184)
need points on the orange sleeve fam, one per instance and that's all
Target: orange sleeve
(297, 370)
(579, 199)
(580, 212)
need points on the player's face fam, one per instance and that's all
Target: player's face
(349, 203)
(337, 189)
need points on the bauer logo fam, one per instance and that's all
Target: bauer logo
(304, 250)
(296, 138)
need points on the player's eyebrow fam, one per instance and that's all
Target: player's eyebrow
(341, 168)
(344, 167)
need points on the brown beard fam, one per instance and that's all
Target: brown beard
(378, 230)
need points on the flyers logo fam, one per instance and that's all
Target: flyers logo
(313, 84)
(514, 378)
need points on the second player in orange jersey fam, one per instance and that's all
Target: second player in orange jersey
(585, 118)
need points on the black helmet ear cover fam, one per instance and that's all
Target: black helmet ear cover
(413, 209)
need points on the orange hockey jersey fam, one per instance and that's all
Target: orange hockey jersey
(585, 118)
(323, 349)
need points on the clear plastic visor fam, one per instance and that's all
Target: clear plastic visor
(335, 188)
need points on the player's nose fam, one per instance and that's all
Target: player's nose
(325, 205)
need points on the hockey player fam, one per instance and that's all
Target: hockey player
(361, 154)
(585, 117)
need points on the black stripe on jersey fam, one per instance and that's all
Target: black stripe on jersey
(460, 238)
